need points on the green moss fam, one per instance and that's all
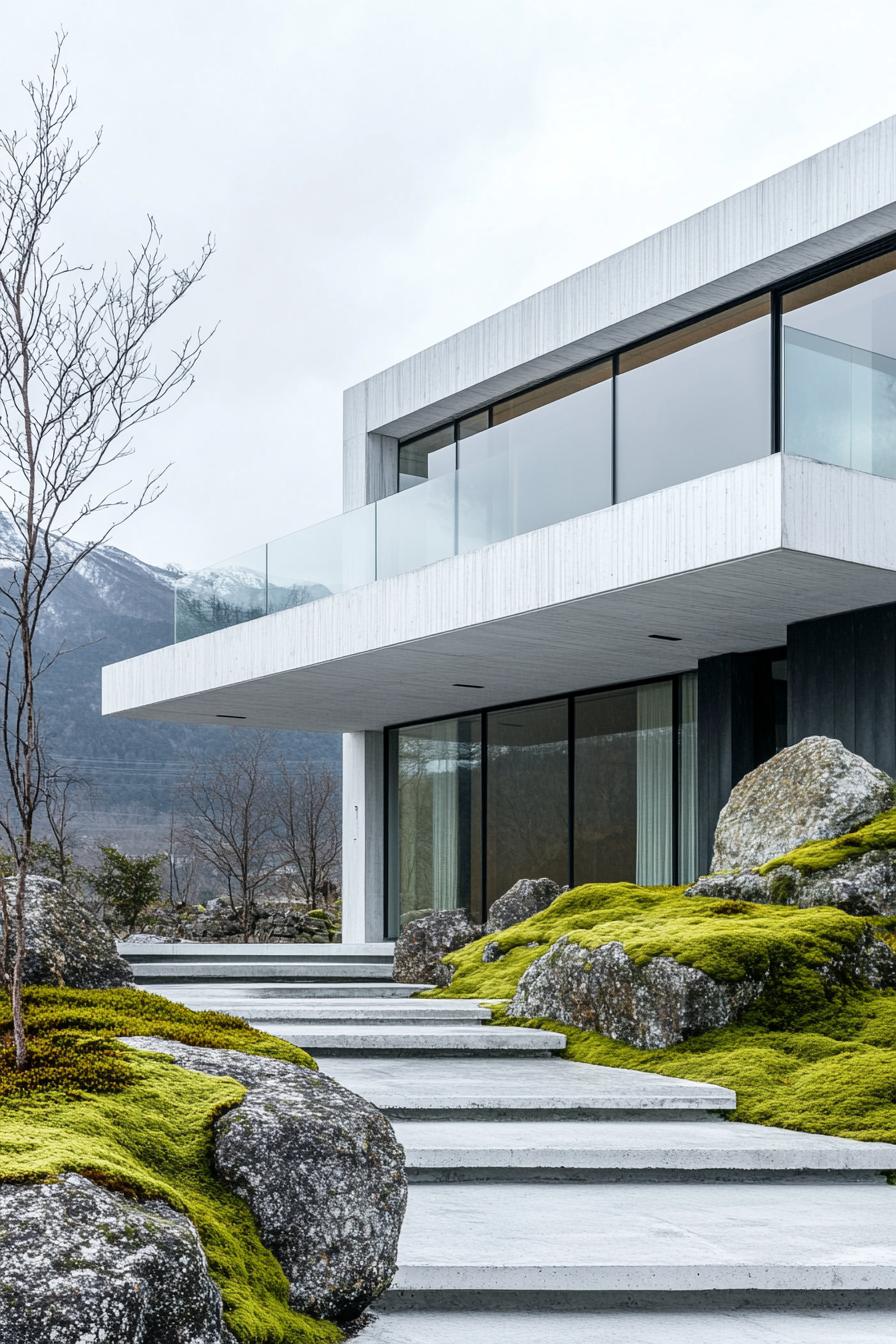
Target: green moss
(137, 1123)
(730, 940)
(817, 855)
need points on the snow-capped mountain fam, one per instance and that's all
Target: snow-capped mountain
(112, 607)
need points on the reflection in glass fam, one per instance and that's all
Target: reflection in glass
(330, 557)
(839, 351)
(225, 594)
(528, 795)
(435, 810)
(695, 401)
(623, 781)
(543, 467)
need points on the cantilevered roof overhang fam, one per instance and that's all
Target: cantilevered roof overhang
(723, 563)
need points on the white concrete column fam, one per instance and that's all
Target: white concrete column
(363, 813)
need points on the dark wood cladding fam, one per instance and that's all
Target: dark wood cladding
(841, 681)
(725, 737)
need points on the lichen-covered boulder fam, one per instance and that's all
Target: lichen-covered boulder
(864, 885)
(861, 886)
(80, 1265)
(814, 790)
(321, 1170)
(524, 899)
(66, 944)
(601, 989)
(423, 942)
(662, 1002)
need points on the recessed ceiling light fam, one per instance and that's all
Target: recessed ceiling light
(672, 639)
(230, 716)
(468, 685)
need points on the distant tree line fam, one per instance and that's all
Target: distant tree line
(247, 827)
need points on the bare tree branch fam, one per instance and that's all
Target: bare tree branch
(81, 368)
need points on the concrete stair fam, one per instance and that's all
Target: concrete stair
(171, 963)
(551, 1201)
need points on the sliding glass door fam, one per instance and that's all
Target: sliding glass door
(623, 785)
(435, 855)
(596, 787)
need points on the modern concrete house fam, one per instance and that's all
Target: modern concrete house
(600, 554)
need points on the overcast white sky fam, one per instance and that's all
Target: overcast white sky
(380, 173)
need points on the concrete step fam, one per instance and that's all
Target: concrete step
(424, 1039)
(517, 1088)
(171, 971)
(719, 1150)
(222, 995)
(236, 952)
(649, 1239)
(348, 1012)
(737, 1325)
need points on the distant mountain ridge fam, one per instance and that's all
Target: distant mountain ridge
(111, 607)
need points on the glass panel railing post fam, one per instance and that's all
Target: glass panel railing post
(267, 579)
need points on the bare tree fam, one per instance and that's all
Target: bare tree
(77, 376)
(233, 824)
(308, 809)
(60, 791)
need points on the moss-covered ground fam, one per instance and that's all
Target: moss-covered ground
(136, 1123)
(808, 1055)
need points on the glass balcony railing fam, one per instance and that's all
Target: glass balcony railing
(502, 487)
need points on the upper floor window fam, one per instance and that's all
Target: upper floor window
(839, 351)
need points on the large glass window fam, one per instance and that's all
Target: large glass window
(840, 368)
(695, 401)
(528, 795)
(623, 785)
(435, 807)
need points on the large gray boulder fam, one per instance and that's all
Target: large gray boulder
(81, 1265)
(814, 790)
(663, 1002)
(423, 942)
(66, 944)
(524, 899)
(321, 1170)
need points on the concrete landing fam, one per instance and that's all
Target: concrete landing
(449, 1149)
(424, 1087)
(448, 1038)
(737, 1326)
(648, 1239)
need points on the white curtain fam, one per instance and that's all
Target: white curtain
(445, 818)
(653, 851)
(687, 780)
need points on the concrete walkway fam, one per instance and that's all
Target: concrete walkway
(553, 1201)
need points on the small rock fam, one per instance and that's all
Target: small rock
(321, 1170)
(80, 1265)
(423, 942)
(812, 791)
(524, 899)
(65, 944)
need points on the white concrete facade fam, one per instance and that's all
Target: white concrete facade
(725, 562)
